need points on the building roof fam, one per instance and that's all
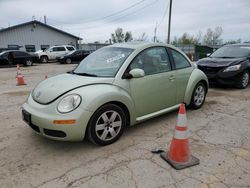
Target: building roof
(40, 23)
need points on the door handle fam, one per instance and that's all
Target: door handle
(171, 77)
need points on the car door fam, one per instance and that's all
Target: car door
(19, 57)
(53, 53)
(78, 56)
(156, 90)
(182, 71)
(61, 51)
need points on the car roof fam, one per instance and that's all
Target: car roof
(137, 45)
(239, 45)
(13, 51)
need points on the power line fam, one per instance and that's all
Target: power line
(119, 18)
(108, 16)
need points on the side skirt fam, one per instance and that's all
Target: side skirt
(154, 114)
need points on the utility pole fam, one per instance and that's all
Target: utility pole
(45, 20)
(169, 20)
(155, 32)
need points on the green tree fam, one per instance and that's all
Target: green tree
(119, 36)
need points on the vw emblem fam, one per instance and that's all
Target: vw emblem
(38, 94)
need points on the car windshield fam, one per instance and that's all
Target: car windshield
(232, 52)
(2, 53)
(104, 62)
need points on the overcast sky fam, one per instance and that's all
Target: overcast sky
(94, 20)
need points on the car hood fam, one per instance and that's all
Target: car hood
(219, 62)
(52, 88)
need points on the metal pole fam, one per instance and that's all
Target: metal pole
(169, 20)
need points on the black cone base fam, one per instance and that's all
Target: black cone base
(179, 166)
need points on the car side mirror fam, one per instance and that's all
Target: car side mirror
(208, 54)
(137, 73)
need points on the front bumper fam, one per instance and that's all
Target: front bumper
(40, 118)
(217, 76)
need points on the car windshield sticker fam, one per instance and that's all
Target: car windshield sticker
(112, 59)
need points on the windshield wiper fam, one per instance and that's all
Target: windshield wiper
(224, 57)
(84, 74)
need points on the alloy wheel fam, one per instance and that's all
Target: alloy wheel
(108, 125)
(199, 95)
(245, 79)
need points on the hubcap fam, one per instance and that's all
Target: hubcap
(44, 60)
(245, 79)
(29, 62)
(199, 95)
(108, 125)
(68, 61)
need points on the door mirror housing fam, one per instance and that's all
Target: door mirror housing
(137, 73)
(208, 54)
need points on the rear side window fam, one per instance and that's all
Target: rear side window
(58, 49)
(70, 48)
(20, 54)
(179, 60)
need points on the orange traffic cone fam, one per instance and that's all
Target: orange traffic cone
(179, 155)
(20, 80)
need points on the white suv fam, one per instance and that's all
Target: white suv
(54, 52)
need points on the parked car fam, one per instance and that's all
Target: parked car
(74, 56)
(54, 52)
(114, 87)
(17, 57)
(229, 65)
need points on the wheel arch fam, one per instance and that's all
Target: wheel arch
(196, 77)
(93, 99)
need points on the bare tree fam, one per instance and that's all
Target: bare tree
(233, 41)
(213, 37)
(185, 39)
(120, 36)
(142, 37)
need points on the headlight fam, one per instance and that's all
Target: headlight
(232, 68)
(69, 103)
(61, 57)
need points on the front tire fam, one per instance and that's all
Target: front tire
(106, 125)
(243, 81)
(198, 96)
(44, 59)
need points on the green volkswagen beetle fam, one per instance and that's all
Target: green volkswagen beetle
(114, 87)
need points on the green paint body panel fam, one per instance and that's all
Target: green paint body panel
(144, 97)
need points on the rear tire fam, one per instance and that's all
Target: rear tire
(68, 61)
(28, 62)
(106, 125)
(44, 59)
(243, 81)
(198, 96)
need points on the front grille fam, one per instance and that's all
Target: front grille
(54, 133)
(210, 70)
